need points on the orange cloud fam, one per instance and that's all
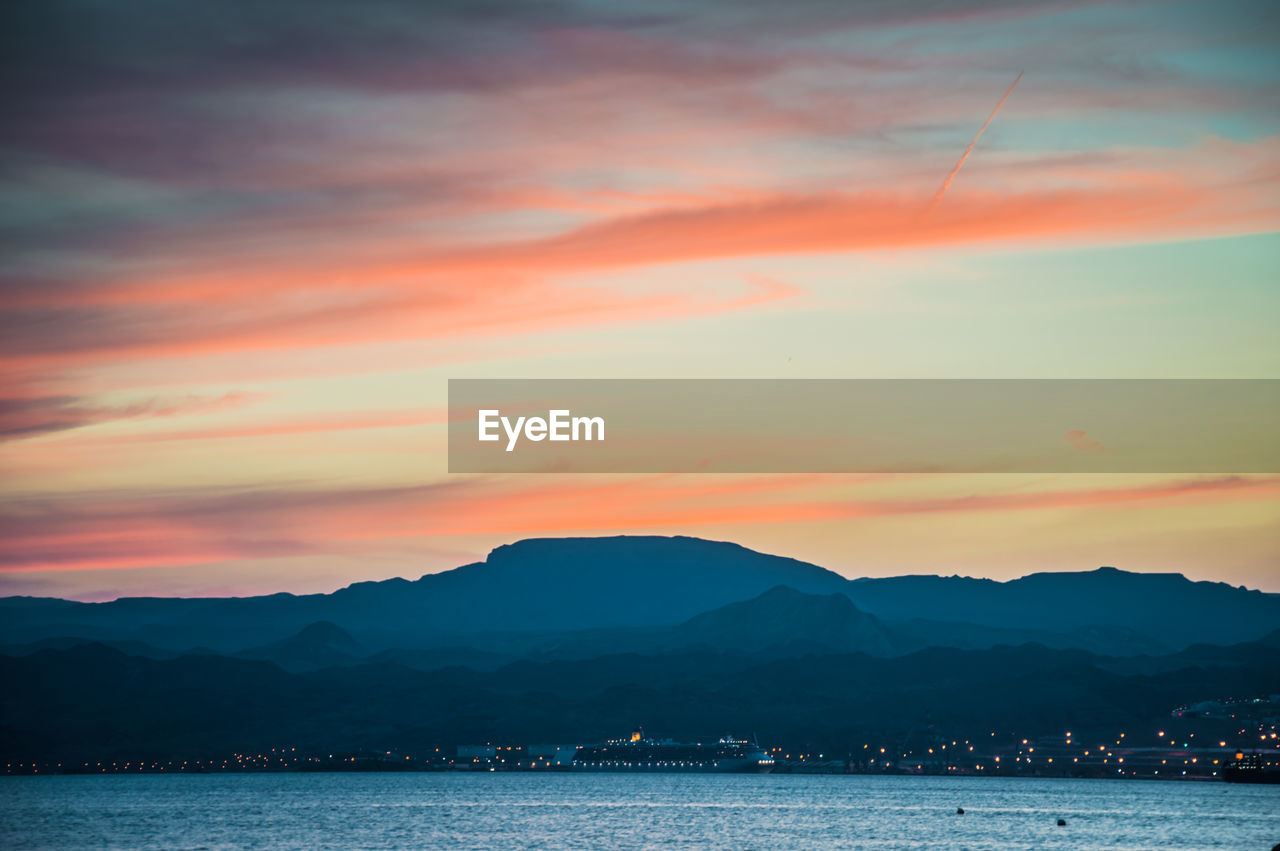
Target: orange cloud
(102, 531)
(518, 287)
(760, 224)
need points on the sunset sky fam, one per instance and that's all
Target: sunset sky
(245, 246)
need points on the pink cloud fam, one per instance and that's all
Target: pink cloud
(1081, 441)
(94, 531)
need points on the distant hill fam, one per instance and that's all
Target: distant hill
(784, 619)
(320, 645)
(916, 634)
(1165, 607)
(573, 597)
(62, 642)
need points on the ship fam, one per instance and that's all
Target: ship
(638, 752)
(1252, 768)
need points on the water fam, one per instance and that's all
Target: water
(528, 811)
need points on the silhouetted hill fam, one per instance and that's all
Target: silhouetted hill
(917, 634)
(435, 658)
(782, 622)
(63, 642)
(1250, 654)
(1164, 607)
(582, 583)
(529, 598)
(784, 619)
(540, 584)
(319, 645)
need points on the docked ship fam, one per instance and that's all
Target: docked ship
(640, 753)
(1252, 768)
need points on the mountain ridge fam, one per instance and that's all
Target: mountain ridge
(560, 585)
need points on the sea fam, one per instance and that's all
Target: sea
(628, 811)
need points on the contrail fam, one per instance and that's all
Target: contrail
(946, 184)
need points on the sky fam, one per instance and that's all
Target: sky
(246, 245)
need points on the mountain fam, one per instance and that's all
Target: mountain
(571, 640)
(583, 583)
(532, 585)
(917, 634)
(63, 642)
(583, 596)
(784, 619)
(1165, 607)
(319, 645)
(780, 622)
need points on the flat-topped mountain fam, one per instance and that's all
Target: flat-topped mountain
(533, 585)
(577, 583)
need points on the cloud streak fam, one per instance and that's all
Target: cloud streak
(133, 530)
(30, 417)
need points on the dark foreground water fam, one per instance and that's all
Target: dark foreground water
(499, 811)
